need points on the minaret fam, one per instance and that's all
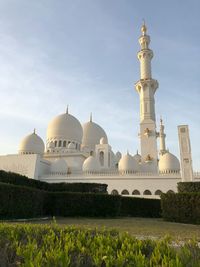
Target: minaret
(162, 136)
(146, 88)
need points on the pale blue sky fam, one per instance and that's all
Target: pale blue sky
(83, 53)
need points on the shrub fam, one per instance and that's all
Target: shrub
(186, 187)
(181, 207)
(47, 245)
(17, 179)
(83, 204)
(140, 207)
(21, 202)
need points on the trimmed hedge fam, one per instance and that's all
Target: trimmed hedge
(189, 187)
(21, 202)
(17, 179)
(140, 207)
(181, 207)
(25, 202)
(83, 204)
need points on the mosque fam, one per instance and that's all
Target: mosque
(82, 153)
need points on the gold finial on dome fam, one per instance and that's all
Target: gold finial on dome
(143, 28)
(67, 110)
(91, 117)
(34, 130)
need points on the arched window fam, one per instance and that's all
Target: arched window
(170, 192)
(147, 192)
(114, 192)
(136, 192)
(60, 143)
(109, 159)
(101, 158)
(125, 192)
(64, 143)
(158, 192)
(55, 143)
(91, 153)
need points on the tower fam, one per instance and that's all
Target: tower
(185, 153)
(146, 88)
(162, 136)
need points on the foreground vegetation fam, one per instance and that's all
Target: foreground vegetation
(51, 245)
(140, 227)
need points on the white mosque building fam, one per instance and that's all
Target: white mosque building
(82, 153)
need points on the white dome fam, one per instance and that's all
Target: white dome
(168, 163)
(128, 164)
(91, 164)
(66, 127)
(92, 133)
(137, 157)
(59, 166)
(31, 144)
(71, 146)
(103, 141)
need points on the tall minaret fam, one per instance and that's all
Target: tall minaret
(146, 88)
(162, 136)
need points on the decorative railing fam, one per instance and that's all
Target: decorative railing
(113, 173)
(196, 175)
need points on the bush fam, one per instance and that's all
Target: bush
(21, 202)
(189, 187)
(140, 207)
(17, 179)
(181, 207)
(47, 245)
(83, 204)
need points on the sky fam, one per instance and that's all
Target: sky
(84, 54)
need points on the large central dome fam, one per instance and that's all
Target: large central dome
(65, 127)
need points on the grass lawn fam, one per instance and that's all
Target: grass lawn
(139, 227)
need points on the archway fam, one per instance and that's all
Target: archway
(147, 192)
(125, 192)
(136, 192)
(114, 192)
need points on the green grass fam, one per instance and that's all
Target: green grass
(139, 227)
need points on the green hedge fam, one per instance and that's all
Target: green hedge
(181, 207)
(83, 204)
(17, 179)
(189, 187)
(21, 202)
(140, 207)
(25, 202)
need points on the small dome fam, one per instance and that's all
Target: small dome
(91, 164)
(59, 166)
(71, 146)
(65, 127)
(31, 144)
(168, 163)
(137, 157)
(128, 164)
(118, 155)
(103, 141)
(92, 133)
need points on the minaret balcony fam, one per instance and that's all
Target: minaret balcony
(148, 158)
(146, 83)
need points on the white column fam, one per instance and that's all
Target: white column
(185, 153)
